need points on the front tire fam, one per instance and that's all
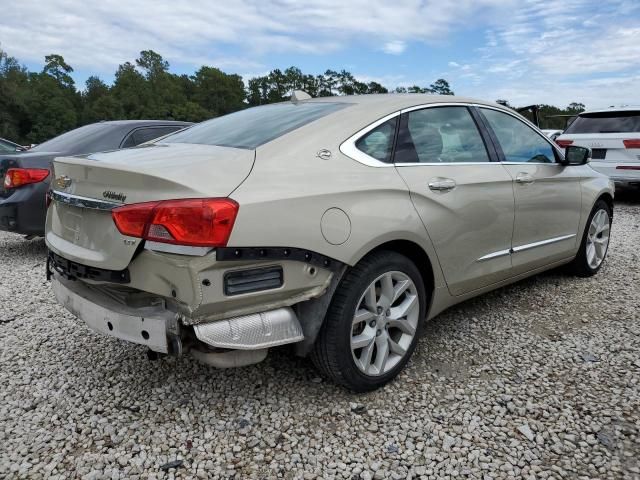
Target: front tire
(595, 241)
(373, 322)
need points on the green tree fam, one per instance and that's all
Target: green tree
(131, 91)
(441, 87)
(98, 102)
(14, 79)
(59, 69)
(218, 92)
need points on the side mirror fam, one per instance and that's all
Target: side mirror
(575, 155)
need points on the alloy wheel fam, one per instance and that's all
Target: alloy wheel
(598, 238)
(384, 323)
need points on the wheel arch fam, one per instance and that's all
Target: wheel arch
(608, 199)
(417, 255)
(314, 311)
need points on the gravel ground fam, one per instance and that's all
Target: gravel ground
(537, 380)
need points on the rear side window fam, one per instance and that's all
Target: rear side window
(439, 135)
(378, 143)
(520, 143)
(142, 135)
(255, 126)
(606, 122)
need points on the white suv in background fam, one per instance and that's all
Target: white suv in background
(614, 138)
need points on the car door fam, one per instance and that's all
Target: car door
(464, 199)
(547, 194)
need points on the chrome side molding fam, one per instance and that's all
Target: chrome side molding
(541, 243)
(522, 248)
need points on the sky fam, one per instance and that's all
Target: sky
(526, 51)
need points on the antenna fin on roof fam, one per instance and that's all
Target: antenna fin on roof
(299, 95)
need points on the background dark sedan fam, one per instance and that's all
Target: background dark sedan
(26, 174)
(7, 146)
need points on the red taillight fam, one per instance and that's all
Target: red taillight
(18, 177)
(564, 143)
(634, 143)
(132, 219)
(202, 222)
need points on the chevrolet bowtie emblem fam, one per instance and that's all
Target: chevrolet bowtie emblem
(62, 182)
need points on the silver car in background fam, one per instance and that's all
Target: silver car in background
(337, 225)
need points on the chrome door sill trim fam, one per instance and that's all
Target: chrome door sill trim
(541, 243)
(499, 253)
(522, 248)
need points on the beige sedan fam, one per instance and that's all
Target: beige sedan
(337, 225)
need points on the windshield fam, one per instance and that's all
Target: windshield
(606, 122)
(90, 138)
(255, 126)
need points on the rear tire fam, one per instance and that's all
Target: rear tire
(595, 241)
(373, 323)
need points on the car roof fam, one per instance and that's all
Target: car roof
(134, 123)
(398, 101)
(622, 108)
(363, 110)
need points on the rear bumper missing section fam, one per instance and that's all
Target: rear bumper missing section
(161, 330)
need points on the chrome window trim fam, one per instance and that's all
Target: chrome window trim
(348, 147)
(522, 119)
(83, 202)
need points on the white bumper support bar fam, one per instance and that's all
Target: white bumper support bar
(148, 327)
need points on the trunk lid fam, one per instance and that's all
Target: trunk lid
(82, 229)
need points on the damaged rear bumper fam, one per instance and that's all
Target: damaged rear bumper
(163, 330)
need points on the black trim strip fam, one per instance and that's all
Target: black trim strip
(230, 254)
(488, 137)
(72, 270)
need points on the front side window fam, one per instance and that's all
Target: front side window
(520, 143)
(255, 126)
(439, 135)
(378, 143)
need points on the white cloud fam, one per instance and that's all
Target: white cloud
(100, 34)
(533, 50)
(395, 47)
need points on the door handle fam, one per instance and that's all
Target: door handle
(442, 184)
(524, 178)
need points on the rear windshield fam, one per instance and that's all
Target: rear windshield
(606, 122)
(255, 126)
(95, 137)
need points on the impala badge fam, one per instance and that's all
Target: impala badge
(63, 182)
(121, 197)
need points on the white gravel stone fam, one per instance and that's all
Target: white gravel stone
(497, 388)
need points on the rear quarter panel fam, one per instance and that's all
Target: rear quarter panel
(283, 201)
